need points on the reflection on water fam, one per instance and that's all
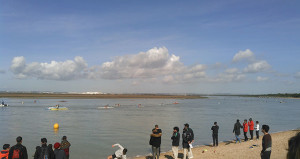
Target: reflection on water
(92, 131)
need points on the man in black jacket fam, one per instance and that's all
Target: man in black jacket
(18, 148)
(187, 140)
(215, 130)
(44, 151)
(156, 141)
(237, 131)
(175, 141)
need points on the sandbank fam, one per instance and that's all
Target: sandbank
(230, 150)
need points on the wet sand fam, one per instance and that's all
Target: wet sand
(94, 96)
(230, 150)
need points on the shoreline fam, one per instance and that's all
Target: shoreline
(230, 150)
(96, 96)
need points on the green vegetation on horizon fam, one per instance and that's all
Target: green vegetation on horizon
(279, 95)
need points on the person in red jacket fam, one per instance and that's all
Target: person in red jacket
(251, 128)
(4, 153)
(245, 126)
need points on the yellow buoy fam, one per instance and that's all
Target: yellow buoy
(56, 126)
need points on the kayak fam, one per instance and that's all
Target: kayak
(105, 107)
(3, 105)
(60, 108)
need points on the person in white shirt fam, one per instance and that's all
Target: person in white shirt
(119, 154)
(257, 130)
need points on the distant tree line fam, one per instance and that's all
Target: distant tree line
(278, 95)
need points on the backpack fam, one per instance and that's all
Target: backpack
(44, 153)
(16, 153)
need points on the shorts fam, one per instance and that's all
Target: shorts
(114, 156)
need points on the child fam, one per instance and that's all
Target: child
(59, 153)
(257, 130)
(4, 153)
(121, 153)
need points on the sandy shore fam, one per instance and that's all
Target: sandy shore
(94, 96)
(230, 150)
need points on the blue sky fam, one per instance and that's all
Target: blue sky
(150, 46)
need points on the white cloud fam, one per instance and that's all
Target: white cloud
(67, 70)
(156, 62)
(246, 55)
(260, 79)
(259, 66)
(231, 70)
(297, 75)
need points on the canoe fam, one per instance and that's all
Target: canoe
(3, 105)
(60, 108)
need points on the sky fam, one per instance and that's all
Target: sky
(205, 47)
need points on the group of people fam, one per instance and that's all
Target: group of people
(19, 151)
(266, 140)
(187, 140)
(250, 124)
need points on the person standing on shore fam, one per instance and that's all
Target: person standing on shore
(44, 151)
(294, 147)
(251, 128)
(65, 145)
(5, 152)
(18, 151)
(266, 143)
(237, 131)
(215, 129)
(175, 141)
(187, 140)
(59, 153)
(245, 126)
(155, 141)
(257, 130)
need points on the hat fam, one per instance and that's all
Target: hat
(5, 146)
(56, 145)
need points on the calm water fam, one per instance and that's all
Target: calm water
(92, 131)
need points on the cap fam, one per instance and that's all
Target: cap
(56, 145)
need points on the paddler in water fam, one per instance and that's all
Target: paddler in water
(57, 106)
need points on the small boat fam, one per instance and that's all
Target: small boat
(57, 108)
(3, 104)
(105, 107)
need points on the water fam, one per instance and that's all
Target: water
(92, 131)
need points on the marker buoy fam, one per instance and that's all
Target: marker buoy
(56, 126)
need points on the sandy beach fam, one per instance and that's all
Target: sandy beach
(245, 150)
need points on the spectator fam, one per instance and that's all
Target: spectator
(4, 153)
(294, 147)
(266, 143)
(245, 126)
(65, 145)
(44, 151)
(236, 130)
(175, 141)
(215, 130)
(18, 151)
(251, 128)
(155, 139)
